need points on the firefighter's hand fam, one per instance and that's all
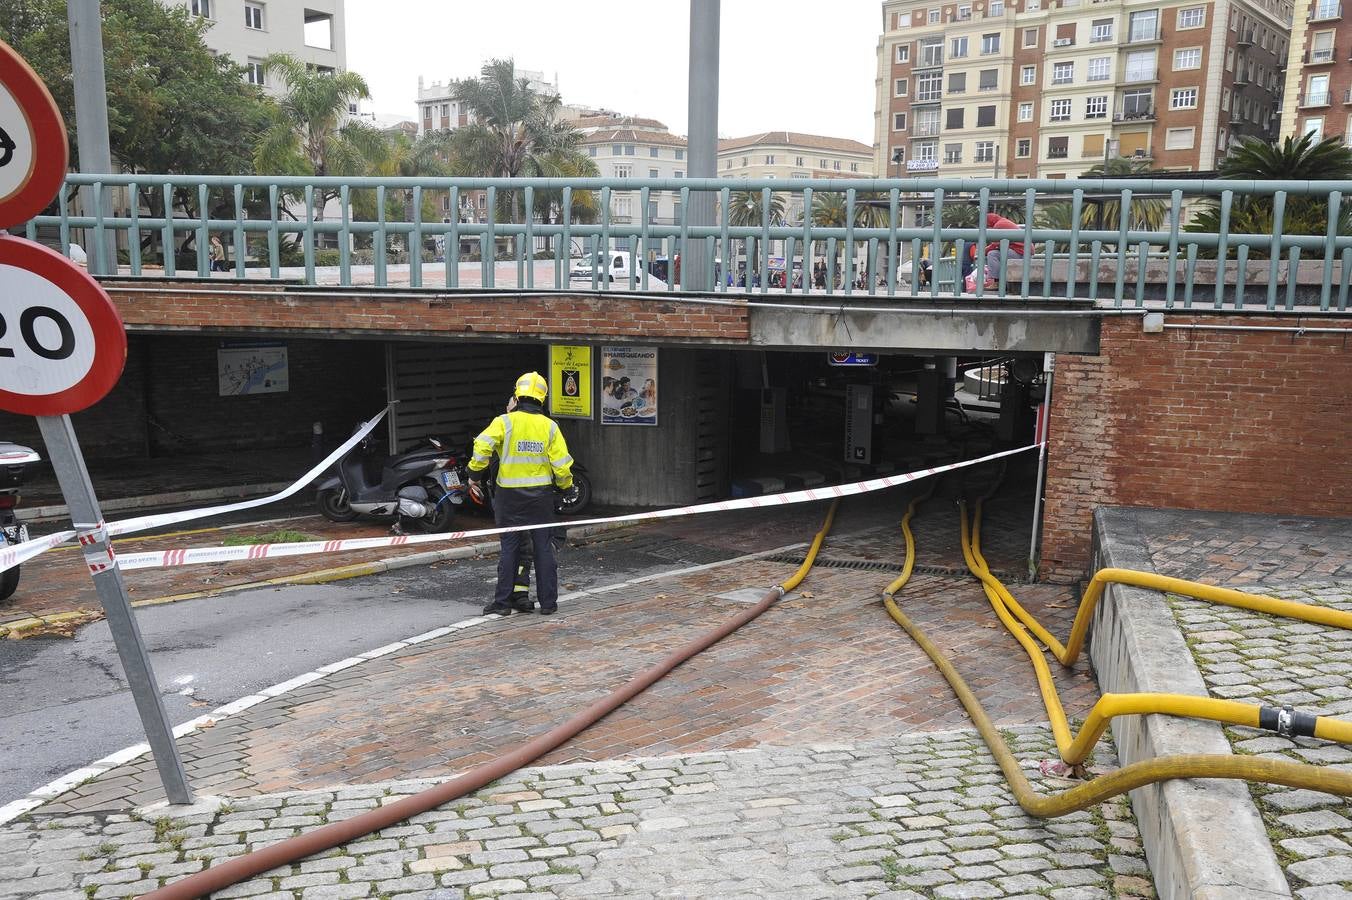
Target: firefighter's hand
(569, 494)
(476, 491)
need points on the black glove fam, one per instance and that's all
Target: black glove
(569, 494)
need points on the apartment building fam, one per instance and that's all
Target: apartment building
(793, 154)
(1049, 88)
(248, 31)
(439, 110)
(1318, 96)
(635, 147)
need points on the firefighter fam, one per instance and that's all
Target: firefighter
(533, 461)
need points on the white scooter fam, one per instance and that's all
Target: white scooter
(14, 460)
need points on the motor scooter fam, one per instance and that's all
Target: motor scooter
(14, 460)
(420, 488)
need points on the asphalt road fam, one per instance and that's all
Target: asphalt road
(64, 702)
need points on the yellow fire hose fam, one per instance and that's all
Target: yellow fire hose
(1125, 779)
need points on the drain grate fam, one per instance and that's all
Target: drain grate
(872, 566)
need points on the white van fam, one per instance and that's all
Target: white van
(613, 265)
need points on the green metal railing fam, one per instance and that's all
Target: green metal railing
(891, 223)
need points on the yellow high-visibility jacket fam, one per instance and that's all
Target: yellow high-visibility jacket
(531, 451)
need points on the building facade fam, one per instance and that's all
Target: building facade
(248, 31)
(1318, 97)
(1050, 88)
(634, 147)
(792, 154)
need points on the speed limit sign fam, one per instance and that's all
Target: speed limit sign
(33, 150)
(62, 344)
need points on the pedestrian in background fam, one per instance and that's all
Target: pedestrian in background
(216, 252)
(533, 461)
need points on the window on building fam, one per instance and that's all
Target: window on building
(1100, 68)
(727, 164)
(1179, 138)
(624, 206)
(680, 154)
(652, 151)
(1063, 72)
(1317, 91)
(1321, 47)
(253, 16)
(256, 72)
(319, 30)
(1230, 60)
(1028, 75)
(997, 8)
(445, 110)
(1026, 112)
(1059, 111)
(1091, 146)
(616, 150)
(926, 122)
(929, 86)
(1183, 98)
(836, 165)
(591, 151)
(1143, 25)
(964, 12)
(1137, 104)
(904, 52)
(798, 160)
(902, 86)
(854, 167)
(1100, 30)
(957, 82)
(625, 170)
(933, 17)
(989, 80)
(1058, 147)
(1315, 127)
(957, 48)
(990, 43)
(932, 52)
(1327, 9)
(201, 8)
(652, 173)
(1023, 148)
(746, 161)
(1030, 37)
(1096, 107)
(1187, 58)
(928, 150)
(1140, 66)
(1065, 35)
(953, 118)
(1192, 17)
(985, 152)
(628, 149)
(952, 154)
(445, 202)
(985, 116)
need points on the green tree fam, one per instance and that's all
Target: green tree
(513, 131)
(746, 209)
(310, 132)
(1305, 158)
(406, 157)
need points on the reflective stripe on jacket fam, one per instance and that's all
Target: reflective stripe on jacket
(531, 451)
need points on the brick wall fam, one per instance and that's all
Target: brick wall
(1219, 420)
(545, 317)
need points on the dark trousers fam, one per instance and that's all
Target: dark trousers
(526, 506)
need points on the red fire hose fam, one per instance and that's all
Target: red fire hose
(286, 852)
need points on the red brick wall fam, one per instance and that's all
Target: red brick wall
(559, 317)
(1220, 420)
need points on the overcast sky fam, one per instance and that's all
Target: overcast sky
(786, 64)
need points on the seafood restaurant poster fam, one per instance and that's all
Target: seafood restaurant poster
(570, 381)
(628, 385)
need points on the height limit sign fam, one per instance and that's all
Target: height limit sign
(62, 349)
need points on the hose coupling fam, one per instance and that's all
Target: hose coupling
(1286, 721)
(779, 591)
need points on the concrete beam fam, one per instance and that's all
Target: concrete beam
(936, 329)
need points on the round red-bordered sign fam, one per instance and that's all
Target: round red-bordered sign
(33, 147)
(62, 344)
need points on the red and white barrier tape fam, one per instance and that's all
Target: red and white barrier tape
(21, 553)
(189, 556)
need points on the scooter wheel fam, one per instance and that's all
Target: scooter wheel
(584, 492)
(9, 583)
(443, 514)
(333, 505)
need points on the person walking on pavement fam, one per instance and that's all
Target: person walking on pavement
(533, 460)
(216, 253)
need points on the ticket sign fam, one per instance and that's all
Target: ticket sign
(62, 344)
(33, 147)
(852, 358)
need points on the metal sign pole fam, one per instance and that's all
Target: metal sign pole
(64, 452)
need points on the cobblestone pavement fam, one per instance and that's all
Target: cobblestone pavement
(1263, 659)
(918, 816)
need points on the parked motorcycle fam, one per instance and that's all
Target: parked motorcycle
(14, 459)
(565, 504)
(420, 488)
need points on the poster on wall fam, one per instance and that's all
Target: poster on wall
(244, 368)
(570, 380)
(628, 385)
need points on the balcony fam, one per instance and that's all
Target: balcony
(928, 97)
(1101, 38)
(1321, 56)
(1313, 99)
(1135, 114)
(1242, 79)
(952, 159)
(930, 61)
(1245, 39)
(1063, 42)
(1144, 36)
(924, 129)
(1058, 154)
(1326, 12)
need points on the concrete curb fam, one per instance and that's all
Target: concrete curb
(53, 789)
(319, 576)
(1205, 838)
(232, 492)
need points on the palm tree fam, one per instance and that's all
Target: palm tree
(583, 206)
(830, 209)
(311, 133)
(746, 210)
(1145, 215)
(514, 132)
(1306, 158)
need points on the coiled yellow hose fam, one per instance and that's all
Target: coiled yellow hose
(1125, 779)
